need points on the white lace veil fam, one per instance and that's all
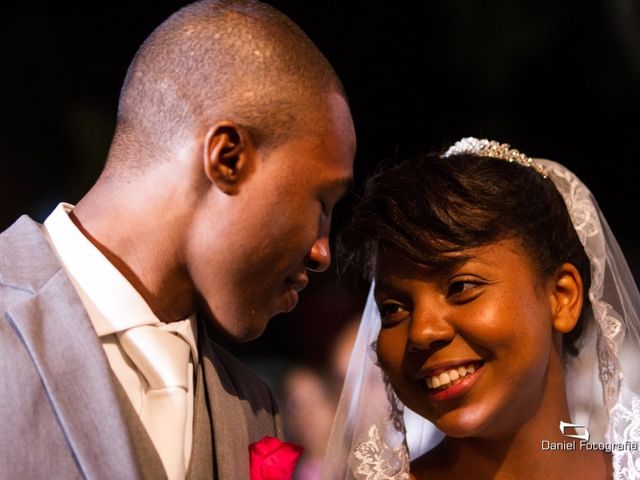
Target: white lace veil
(373, 436)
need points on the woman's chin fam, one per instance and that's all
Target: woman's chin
(463, 423)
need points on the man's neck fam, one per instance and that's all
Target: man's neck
(143, 243)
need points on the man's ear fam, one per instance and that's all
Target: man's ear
(229, 155)
(566, 297)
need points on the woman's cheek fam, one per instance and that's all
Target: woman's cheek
(390, 349)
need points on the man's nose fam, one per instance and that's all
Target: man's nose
(319, 257)
(428, 330)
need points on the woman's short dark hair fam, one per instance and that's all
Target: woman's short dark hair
(425, 209)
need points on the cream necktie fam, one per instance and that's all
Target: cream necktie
(162, 357)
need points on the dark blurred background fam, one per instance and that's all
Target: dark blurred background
(556, 79)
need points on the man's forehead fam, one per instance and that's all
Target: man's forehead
(333, 116)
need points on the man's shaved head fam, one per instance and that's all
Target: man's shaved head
(234, 142)
(238, 60)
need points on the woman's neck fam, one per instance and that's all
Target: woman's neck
(519, 453)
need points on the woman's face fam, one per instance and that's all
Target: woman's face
(467, 348)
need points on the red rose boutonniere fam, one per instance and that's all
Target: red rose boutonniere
(273, 459)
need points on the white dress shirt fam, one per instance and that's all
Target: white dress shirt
(113, 305)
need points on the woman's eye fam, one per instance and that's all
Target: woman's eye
(461, 288)
(389, 312)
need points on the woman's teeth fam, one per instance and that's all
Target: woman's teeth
(451, 375)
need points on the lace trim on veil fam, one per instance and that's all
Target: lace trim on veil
(586, 222)
(374, 458)
(625, 430)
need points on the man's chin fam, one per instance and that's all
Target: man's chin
(239, 330)
(249, 335)
(249, 328)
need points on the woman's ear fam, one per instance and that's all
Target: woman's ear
(566, 297)
(228, 155)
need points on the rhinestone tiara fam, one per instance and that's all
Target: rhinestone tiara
(489, 148)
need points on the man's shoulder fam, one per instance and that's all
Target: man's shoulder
(26, 259)
(23, 227)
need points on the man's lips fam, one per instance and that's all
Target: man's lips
(297, 282)
(290, 288)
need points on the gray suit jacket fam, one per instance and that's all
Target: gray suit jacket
(61, 413)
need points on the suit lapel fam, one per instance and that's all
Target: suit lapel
(202, 454)
(228, 419)
(75, 373)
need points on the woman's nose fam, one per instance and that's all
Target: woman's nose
(428, 330)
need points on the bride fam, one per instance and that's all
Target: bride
(498, 291)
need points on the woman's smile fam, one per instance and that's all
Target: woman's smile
(452, 382)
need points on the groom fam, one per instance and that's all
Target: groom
(233, 143)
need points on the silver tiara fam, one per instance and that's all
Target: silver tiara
(489, 148)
